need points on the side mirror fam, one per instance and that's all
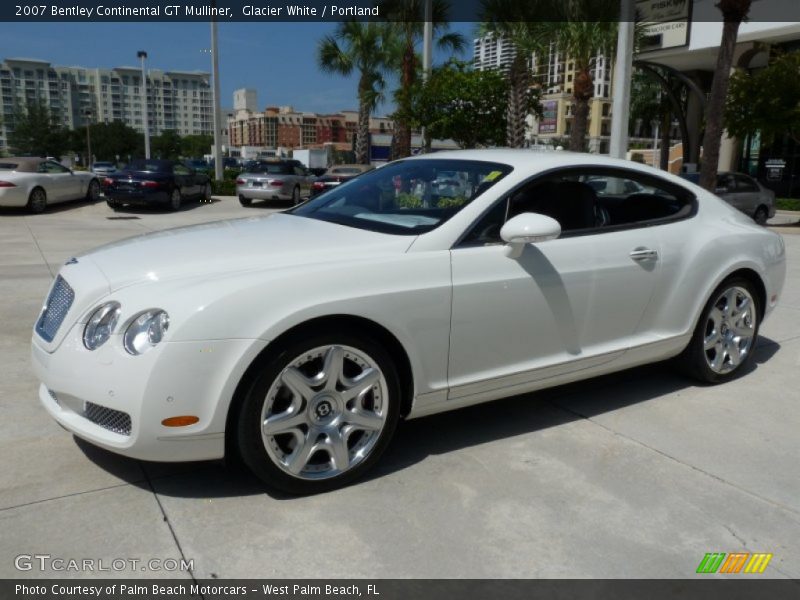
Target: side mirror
(528, 228)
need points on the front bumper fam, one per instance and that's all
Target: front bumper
(92, 393)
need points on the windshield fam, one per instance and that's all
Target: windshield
(405, 197)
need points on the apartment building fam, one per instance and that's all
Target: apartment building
(555, 73)
(176, 100)
(283, 127)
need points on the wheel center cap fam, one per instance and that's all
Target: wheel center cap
(724, 329)
(323, 409)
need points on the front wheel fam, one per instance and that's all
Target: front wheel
(725, 337)
(320, 413)
(296, 196)
(761, 215)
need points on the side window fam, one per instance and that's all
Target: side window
(725, 184)
(51, 168)
(745, 184)
(587, 202)
(299, 171)
(181, 170)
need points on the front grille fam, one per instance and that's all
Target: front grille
(55, 309)
(108, 418)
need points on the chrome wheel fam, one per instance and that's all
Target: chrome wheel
(730, 330)
(324, 413)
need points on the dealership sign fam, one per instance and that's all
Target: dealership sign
(665, 23)
(549, 121)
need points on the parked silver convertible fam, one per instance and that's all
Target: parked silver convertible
(37, 182)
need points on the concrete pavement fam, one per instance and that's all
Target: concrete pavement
(636, 474)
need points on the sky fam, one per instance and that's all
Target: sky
(277, 59)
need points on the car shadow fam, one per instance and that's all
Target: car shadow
(21, 211)
(417, 439)
(159, 209)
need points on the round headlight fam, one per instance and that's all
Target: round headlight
(145, 331)
(101, 325)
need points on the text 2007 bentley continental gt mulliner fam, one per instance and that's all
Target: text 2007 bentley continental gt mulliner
(299, 339)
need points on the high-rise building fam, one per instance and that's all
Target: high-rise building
(492, 52)
(176, 100)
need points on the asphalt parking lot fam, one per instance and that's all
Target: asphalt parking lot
(637, 474)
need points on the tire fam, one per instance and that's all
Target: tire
(724, 340)
(175, 199)
(207, 193)
(296, 199)
(302, 454)
(113, 204)
(93, 191)
(761, 215)
(37, 200)
(245, 201)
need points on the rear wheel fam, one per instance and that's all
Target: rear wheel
(320, 414)
(296, 195)
(245, 201)
(113, 204)
(175, 199)
(725, 337)
(207, 193)
(37, 201)
(93, 192)
(761, 215)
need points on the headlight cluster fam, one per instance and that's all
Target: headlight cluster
(145, 331)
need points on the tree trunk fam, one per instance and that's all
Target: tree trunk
(517, 110)
(582, 92)
(733, 13)
(362, 132)
(407, 76)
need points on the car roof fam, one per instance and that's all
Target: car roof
(25, 164)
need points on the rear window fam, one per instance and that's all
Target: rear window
(272, 168)
(150, 166)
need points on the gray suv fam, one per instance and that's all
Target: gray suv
(743, 192)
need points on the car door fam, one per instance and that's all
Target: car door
(184, 179)
(60, 183)
(726, 189)
(302, 179)
(563, 305)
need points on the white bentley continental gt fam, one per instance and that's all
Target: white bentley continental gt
(297, 340)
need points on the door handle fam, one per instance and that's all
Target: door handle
(642, 254)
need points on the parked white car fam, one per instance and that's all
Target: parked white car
(299, 339)
(37, 182)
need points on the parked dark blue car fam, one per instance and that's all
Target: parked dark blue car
(155, 182)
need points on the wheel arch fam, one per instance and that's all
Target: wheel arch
(747, 273)
(337, 322)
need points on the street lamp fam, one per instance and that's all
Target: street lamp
(88, 115)
(142, 55)
(217, 117)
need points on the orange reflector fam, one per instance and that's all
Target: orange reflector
(182, 421)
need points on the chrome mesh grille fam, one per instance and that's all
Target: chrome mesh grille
(108, 418)
(55, 309)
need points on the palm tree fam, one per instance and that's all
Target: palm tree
(362, 48)
(733, 13)
(576, 29)
(407, 22)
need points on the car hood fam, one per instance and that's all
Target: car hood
(269, 242)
